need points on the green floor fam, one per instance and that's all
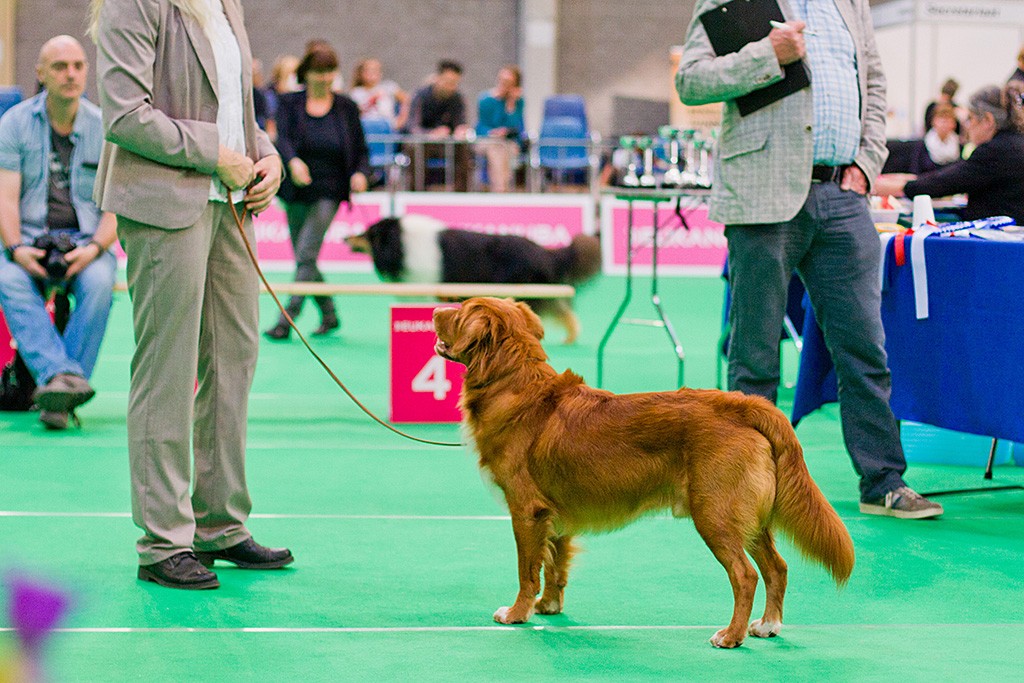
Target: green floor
(403, 554)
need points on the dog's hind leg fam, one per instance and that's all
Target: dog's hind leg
(556, 575)
(774, 571)
(532, 528)
(562, 309)
(726, 542)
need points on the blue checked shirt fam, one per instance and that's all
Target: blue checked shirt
(834, 89)
(25, 149)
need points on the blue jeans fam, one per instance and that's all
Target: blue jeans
(833, 246)
(45, 351)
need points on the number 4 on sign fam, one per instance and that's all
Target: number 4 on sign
(432, 378)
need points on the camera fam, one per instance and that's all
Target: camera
(55, 244)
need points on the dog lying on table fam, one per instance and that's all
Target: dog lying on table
(423, 249)
(571, 459)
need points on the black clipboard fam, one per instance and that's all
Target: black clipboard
(739, 22)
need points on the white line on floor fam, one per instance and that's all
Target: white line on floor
(496, 627)
(441, 518)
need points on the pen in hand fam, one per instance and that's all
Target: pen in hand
(779, 24)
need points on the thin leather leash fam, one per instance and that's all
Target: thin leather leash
(239, 223)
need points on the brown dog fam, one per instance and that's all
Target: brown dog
(572, 459)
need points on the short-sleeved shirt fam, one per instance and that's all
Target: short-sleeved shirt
(25, 148)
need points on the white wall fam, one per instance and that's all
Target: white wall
(925, 42)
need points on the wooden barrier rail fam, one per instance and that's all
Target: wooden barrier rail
(450, 290)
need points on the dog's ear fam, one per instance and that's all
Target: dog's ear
(533, 323)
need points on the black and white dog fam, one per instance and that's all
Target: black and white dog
(423, 249)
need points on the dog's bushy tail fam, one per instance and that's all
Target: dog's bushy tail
(801, 509)
(579, 261)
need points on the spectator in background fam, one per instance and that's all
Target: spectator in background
(438, 111)
(941, 143)
(322, 143)
(1018, 75)
(260, 101)
(946, 95)
(992, 176)
(282, 80)
(377, 98)
(499, 127)
(49, 148)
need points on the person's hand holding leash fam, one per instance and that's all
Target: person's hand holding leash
(268, 179)
(358, 182)
(234, 170)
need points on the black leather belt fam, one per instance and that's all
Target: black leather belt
(827, 174)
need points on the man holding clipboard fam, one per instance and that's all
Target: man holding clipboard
(803, 136)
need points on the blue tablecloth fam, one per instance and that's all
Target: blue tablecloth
(962, 367)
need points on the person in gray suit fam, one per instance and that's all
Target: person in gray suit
(790, 185)
(175, 86)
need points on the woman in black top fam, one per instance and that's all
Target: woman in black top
(991, 176)
(321, 141)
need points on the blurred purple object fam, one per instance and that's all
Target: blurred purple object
(34, 611)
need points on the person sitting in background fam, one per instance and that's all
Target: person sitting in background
(438, 111)
(321, 140)
(282, 80)
(49, 149)
(1018, 75)
(377, 98)
(500, 121)
(941, 143)
(992, 176)
(946, 95)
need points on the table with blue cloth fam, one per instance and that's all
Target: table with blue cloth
(962, 367)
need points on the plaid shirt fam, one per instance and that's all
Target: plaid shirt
(834, 88)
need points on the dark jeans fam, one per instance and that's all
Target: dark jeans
(832, 244)
(307, 225)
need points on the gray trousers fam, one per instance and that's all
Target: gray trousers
(307, 225)
(833, 246)
(195, 307)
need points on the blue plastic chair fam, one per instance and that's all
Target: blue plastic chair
(567, 105)
(382, 154)
(9, 96)
(561, 156)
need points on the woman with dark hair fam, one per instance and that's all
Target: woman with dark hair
(991, 176)
(322, 143)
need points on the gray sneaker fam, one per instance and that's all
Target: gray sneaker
(63, 393)
(55, 420)
(904, 503)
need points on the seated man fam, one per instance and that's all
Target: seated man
(438, 112)
(49, 151)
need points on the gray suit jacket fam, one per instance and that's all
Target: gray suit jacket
(158, 90)
(763, 161)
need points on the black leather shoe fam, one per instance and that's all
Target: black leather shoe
(248, 555)
(327, 325)
(180, 571)
(279, 331)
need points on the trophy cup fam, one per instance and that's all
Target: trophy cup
(673, 177)
(630, 179)
(647, 148)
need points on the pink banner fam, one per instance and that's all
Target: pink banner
(424, 386)
(6, 342)
(701, 250)
(273, 243)
(549, 220)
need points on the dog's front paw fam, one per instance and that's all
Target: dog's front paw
(724, 639)
(764, 629)
(511, 615)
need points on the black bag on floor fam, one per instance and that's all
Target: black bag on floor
(16, 386)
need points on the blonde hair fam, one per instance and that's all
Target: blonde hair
(197, 9)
